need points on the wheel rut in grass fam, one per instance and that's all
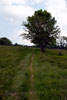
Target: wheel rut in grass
(20, 81)
(32, 92)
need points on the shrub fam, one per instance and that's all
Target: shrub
(60, 54)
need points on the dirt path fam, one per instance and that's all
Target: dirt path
(32, 93)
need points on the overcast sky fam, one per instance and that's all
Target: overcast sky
(14, 12)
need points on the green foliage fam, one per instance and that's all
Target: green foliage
(42, 29)
(5, 41)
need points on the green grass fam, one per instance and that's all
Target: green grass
(49, 69)
(14, 72)
(51, 75)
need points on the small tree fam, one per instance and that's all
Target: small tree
(42, 29)
(65, 41)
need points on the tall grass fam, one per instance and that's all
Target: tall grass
(50, 72)
(14, 72)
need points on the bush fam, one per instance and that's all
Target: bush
(16, 44)
(60, 54)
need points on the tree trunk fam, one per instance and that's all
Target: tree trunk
(42, 48)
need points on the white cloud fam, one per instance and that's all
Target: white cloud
(58, 9)
(17, 12)
(25, 42)
(21, 40)
(7, 2)
(10, 2)
(17, 9)
(19, 32)
(37, 1)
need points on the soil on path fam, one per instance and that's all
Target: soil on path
(32, 92)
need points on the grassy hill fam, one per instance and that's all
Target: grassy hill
(28, 74)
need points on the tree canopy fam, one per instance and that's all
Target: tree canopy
(5, 41)
(42, 29)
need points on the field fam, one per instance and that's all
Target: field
(28, 74)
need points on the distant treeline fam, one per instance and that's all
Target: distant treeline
(61, 43)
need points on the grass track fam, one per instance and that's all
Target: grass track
(32, 92)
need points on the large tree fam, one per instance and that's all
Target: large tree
(42, 29)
